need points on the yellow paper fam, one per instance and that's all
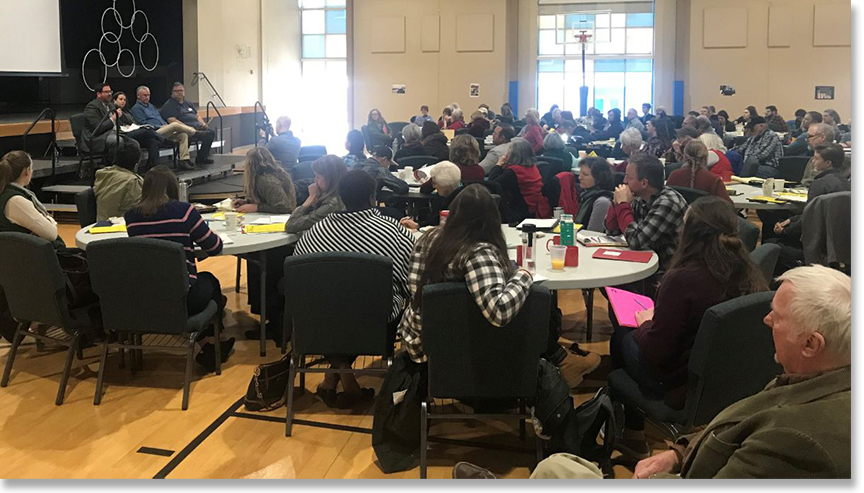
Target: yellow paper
(220, 216)
(114, 228)
(265, 228)
(576, 227)
(593, 154)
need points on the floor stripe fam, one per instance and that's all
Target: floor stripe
(156, 451)
(188, 449)
(303, 422)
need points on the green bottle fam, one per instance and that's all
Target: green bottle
(567, 234)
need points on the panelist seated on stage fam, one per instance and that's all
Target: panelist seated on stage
(99, 120)
(147, 137)
(178, 109)
(147, 114)
(118, 187)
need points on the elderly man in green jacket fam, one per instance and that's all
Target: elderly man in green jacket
(799, 426)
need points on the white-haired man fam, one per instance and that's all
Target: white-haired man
(799, 426)
(147, 114)
(284, 146)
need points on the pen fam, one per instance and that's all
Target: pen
(640, 304)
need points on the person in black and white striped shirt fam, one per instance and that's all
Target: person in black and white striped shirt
(360, 229)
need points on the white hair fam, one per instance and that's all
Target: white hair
(532, 117)
(141, 88)
(283, 123)
(411, 133)
(446, 175)
(822, 302)
(553, 141)
(631, 138)
(825, 130)
(457, 114)
(712, 141)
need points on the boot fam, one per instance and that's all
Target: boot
(576, 364)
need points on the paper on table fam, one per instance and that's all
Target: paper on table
(539, 223)
(280, 218)
(115, 228)
(265, 228)
(226, 240)
(539, 278)
(262, 220)
(597, 239)
(626, 304)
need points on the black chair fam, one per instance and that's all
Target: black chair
(35, 289)
(827, 231)
(86, 203)
(672, 167)
(146, 301)
(326, 322)
(732, 358)
(792, 168)
(618, 178)
(471, 360)
(416, 162)
(556, 165)
(765, 257)
(461, 131)
(302, 171)
(546, 170)
(396, 127)
(77, 123)
(748, 233)
(689, 194)
(313, 151)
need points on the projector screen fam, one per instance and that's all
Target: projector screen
(30, 41)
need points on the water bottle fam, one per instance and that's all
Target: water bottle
(528, 255)
(184, 191)
(567, 233)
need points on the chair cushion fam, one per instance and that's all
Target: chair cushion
(200, 321)
(626, 390)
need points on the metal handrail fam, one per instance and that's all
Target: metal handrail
(53, 146)
(221, 127)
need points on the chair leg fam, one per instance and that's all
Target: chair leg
(67, 366)
(190, 348)
(302, 376)
(237, 278)
(217, 341)
(538, 446)
(79, 353)
(522, 422)
(588, 296)
(100, 378)
(139, 353)
(289, 397)
(121, 339)
(424, 417)
(16, 341)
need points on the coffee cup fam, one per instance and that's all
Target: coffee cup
(779, 184)
(555, 240)
(231, 220)
(768, 187)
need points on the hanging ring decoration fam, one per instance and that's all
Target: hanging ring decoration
(104, 69)
(114, 38)
(141, 57)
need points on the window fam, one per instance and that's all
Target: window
(619, 68)
(322, 118)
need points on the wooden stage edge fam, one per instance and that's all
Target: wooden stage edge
(44, 126)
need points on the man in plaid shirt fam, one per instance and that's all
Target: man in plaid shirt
(774, 120)
(651, 220)
(762, 150)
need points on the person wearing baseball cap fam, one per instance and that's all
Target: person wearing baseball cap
(762, 150)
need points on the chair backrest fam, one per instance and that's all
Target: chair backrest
(86, 203)
(142, 284)
(469, 357)
(461, 131)
(303, 171)
(396, 127)
(481, 143)
(792, 168)
(689, 194)
(732, 358)
(748, 233)
(547, 171)
(77, 123)
(555, 163)
(827, 229)
(618, 178)
(317, 151)
(672, 167)
(339, 302)
(416, 162)
(765, 257)
(32, 280)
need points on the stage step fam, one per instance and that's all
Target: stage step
(65, 189)
(61, 207)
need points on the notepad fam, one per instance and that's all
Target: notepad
(626, 304)
(596, 239)
(264, 228)
(766, 199)
(114, 228)
(623, 255)
(800, 198)
(539, 223)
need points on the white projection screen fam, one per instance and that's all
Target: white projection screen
(30, 40)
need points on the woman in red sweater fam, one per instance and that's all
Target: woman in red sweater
(532, 132)
(710, 266)
(695, 174)
(465, 153)
(521, 182)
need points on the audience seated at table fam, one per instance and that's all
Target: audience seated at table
(794, 126)
(631, 143)
(379, 131)
(145, 136)
(661, 133)
(774, 120)
(506, 115)
(645, 211)
(802, 146)
(553, 146)
(532, 132)
(413, 146)
(423, 117)
(284, 146)
(690, 119)
(595, 198)
(444, 119)
(762, 150)
(471, 247)
(831, 117)
(594, 120)
(830, 178)
(714, 122)
(521, 182)
(378, 167)
(749, 112)
(147, 114)
(161, 215)
(817, 134)
(360, 228)
(723, 119)
(479, 124)
(178, 109)
(465, 154)
(707, 133)
(355, 145)
(444, 180)
(457, 120)
(434, 142)
(633, 121)
(20, 210)
(646, 114)
(695, 173)
(548, 118)
(268, 188)
(613, 127)
(323, 194)
(501, 138)
(118, 187)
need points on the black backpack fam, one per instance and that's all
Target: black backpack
(589, 431)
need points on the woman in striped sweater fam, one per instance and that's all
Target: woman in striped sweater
(161, 215)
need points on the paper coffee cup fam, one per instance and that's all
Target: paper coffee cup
(231, 220)
(779, 184)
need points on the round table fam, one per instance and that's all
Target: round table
(746, 191)
(242, 245)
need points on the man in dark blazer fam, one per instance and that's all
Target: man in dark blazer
(97, 127)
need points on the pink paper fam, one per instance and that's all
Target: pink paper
(626, 304)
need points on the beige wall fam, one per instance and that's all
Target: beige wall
(763, 75)
(434, 78)
(280, 55)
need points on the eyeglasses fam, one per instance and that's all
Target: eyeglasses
(812, 136)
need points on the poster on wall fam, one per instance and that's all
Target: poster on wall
(474, 91)
(824, 92)
(398, 89)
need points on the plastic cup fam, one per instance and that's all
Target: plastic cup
(231, 220)
(558, 253)
(779, 184)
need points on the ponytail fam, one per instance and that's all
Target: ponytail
(11, 166)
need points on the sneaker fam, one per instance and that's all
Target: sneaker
(467, 470)
(576, 365)
(634, 449)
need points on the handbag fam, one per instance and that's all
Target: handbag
(76, 271)
(266, 390)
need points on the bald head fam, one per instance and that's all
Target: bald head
(283, 124)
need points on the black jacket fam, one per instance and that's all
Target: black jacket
(94, 134)
(436, 145)
(408, 150)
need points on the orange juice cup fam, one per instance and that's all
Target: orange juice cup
(558, 253)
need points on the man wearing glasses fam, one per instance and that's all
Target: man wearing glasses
(178, 109)
(817, 134)
(800, 147)
(97, 127)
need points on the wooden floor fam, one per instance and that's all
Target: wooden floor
(214, 438)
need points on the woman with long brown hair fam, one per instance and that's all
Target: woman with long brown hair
(695, 174)
(323, 194)
(471, 248)
(268, 187)
(710, 266)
